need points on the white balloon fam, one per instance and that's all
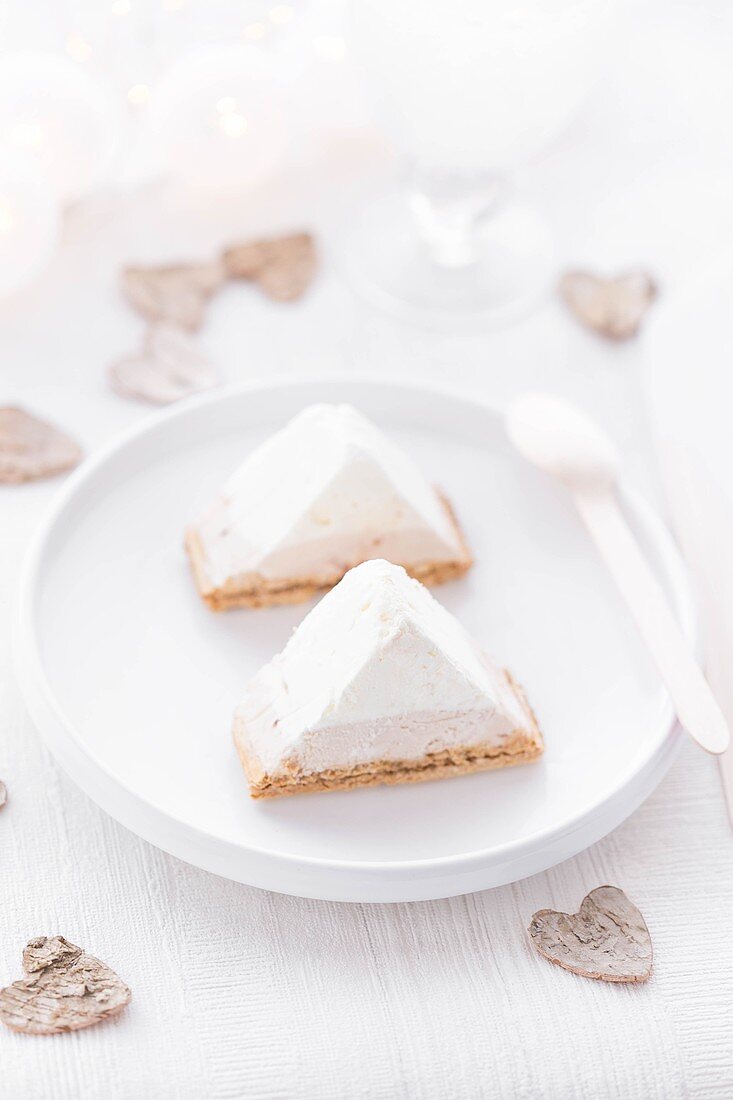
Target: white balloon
(56, 113)
(29, 222)
(218, 116)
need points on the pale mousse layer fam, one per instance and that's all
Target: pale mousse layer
(326, 492)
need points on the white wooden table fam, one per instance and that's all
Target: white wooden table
(240, 993)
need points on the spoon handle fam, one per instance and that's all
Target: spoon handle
(693, 700)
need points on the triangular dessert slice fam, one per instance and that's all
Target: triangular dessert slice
(379, 684)
(325, 493)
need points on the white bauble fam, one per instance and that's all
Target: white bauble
(56, 113)
(29, 221)
(217, 116)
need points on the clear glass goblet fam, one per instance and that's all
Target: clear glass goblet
(469, 90)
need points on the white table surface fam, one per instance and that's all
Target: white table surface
(241, 993)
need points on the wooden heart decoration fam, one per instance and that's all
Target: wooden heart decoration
(31, 448)
(612, 307)
(169, 367)
(176, 293)
(606, 939)
(282, 266)
(65, 990)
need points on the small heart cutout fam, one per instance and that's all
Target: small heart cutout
(282, 266)
(31, 449)
(607, 939)
(3, 794)
(176, 293)
(65, 990)
(612, 307)
(168, 368)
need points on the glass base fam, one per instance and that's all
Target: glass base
(387, 262)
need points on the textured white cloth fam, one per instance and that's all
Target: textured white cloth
(241, 993)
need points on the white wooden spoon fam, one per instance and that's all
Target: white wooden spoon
(564, 442)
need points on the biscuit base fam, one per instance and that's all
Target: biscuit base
(438, 765)
(522, 746)
(291, 590)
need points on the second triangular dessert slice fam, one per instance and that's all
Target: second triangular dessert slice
(379, 684)
(325, 493)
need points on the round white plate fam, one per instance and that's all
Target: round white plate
(133, 681)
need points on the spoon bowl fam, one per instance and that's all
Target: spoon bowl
(561, 440)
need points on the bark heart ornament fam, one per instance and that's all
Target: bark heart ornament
(282, 266)
(65, 989)
(31, 448)
(168, 368)
(612, 307)
(607, 939)
(176, 293)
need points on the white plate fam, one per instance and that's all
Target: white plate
(133, 681)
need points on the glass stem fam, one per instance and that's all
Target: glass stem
(449, 210)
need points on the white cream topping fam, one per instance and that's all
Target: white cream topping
(378, 669)
(326, 492)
